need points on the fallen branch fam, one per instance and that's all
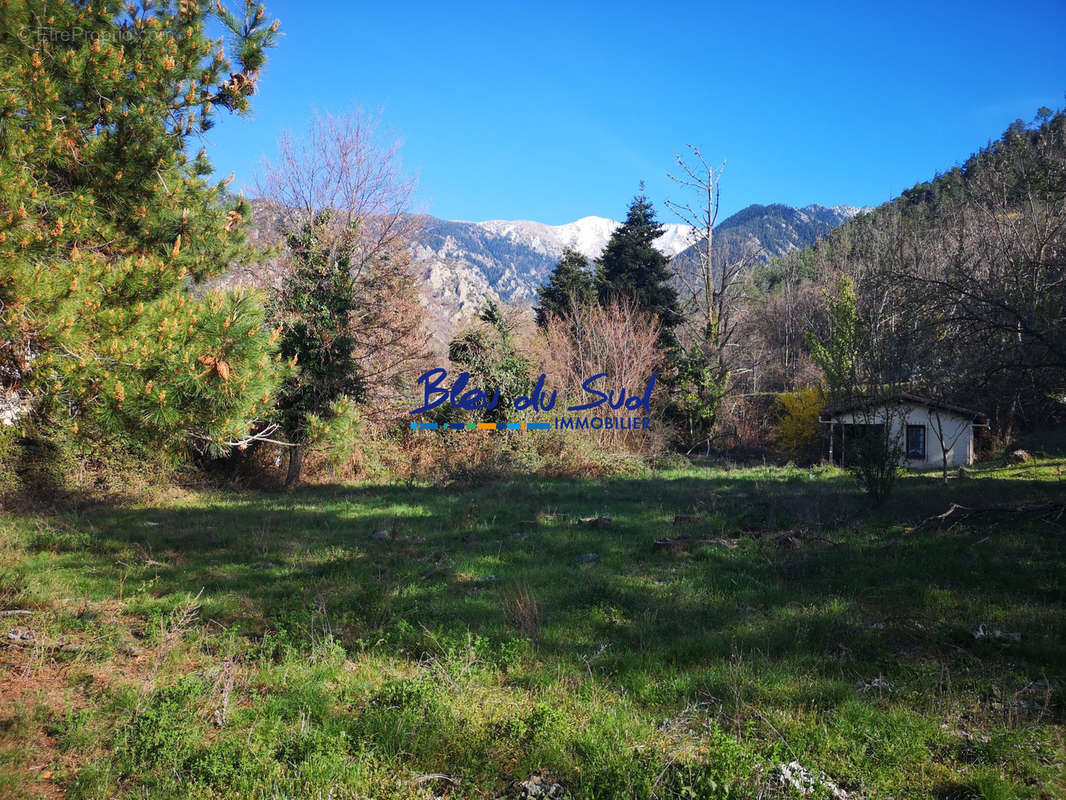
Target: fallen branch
(958, 514)
(791, 540)
(596, 522)
(46, 644)
(687, 543)
(264, 436)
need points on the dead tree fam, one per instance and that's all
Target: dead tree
(710, 299)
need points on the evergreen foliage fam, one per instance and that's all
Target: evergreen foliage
(632, 268)
(700, 384)
(571, 285)
(489, 354)
(107, 224)
(316, 308)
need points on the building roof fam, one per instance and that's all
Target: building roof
(901, 398)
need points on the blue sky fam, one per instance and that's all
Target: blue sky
(554, 111)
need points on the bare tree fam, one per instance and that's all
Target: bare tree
(771, 339)
(947, 437)
(711, 300)
(344, 164)
(987, 293)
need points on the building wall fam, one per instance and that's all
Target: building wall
(957, 433)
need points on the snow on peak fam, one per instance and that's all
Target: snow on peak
(588, 235)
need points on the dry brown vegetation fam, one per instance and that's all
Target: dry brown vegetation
(618, 339)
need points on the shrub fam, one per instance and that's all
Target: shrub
(797, 432)
(618, 339)
(225, 765)
(164, 734)
(875, 460)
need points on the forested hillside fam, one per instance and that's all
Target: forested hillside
(310, 495)
(960, 284)
(768, 232)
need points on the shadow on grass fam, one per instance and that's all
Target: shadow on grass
(850, 592)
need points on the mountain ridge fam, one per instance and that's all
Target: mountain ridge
(462, 265)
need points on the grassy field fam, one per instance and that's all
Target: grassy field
(225, 644)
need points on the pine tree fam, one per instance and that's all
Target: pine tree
(571, 285)
(632, 268)
(316, 307)
(107, 224)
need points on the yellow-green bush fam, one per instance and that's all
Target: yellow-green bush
(797, 432)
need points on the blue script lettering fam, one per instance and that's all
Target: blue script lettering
(434, 395)
(536, 399)
(632, 402)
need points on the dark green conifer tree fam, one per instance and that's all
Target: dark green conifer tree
(317, 307)
(631, 268)
(107, 223)
(572, 284)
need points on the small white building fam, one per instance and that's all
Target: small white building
(928, 432)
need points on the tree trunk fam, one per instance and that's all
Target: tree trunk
(296, 464)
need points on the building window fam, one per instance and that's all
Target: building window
(916, 441)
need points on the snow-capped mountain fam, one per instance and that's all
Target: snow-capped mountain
(588, 235)
(465, 264)
(766, 232)
(462, 265)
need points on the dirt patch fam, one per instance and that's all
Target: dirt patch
(43, 680)
(27, 685)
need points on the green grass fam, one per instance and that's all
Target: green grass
(258, 645)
